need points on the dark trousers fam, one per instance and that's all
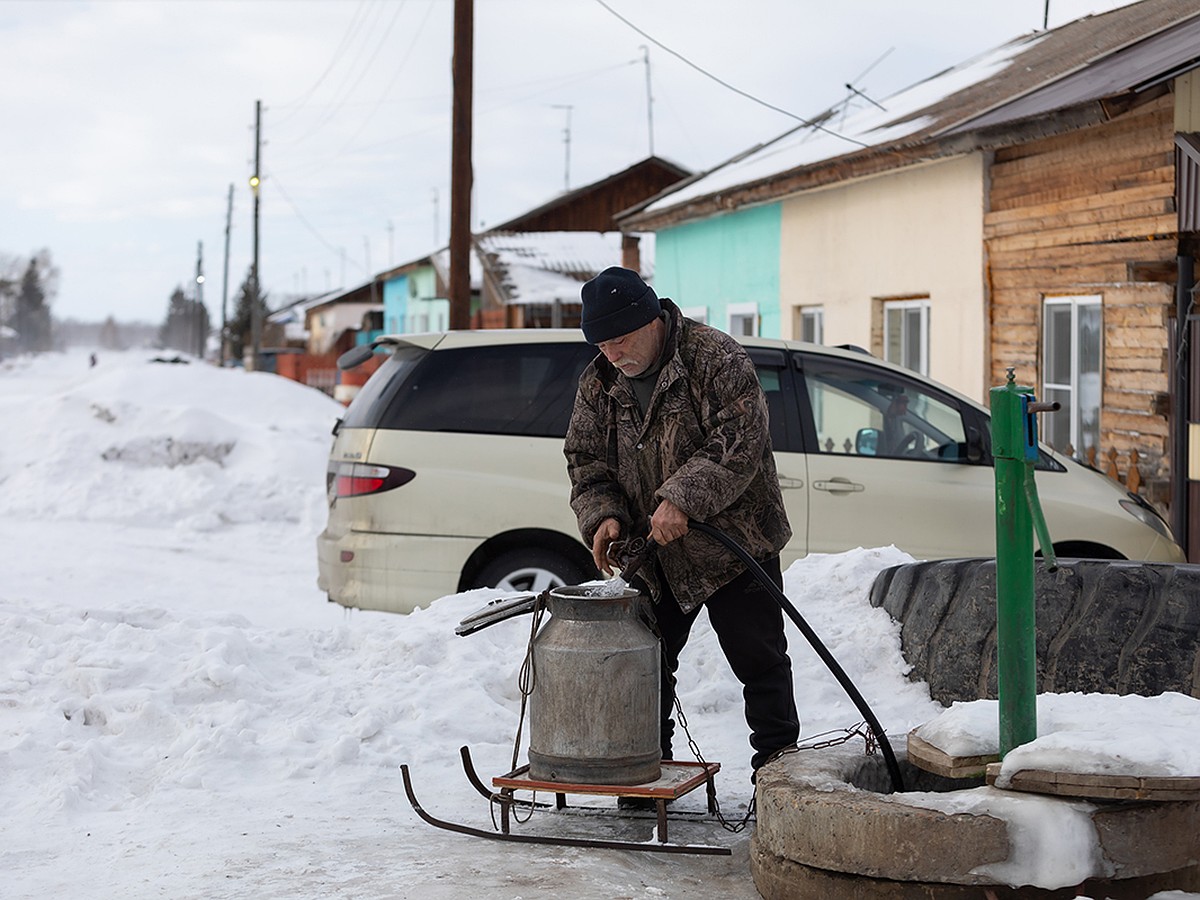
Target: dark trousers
(749, 626)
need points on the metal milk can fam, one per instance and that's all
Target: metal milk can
(594, 710)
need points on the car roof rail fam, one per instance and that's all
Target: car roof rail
(855, 348)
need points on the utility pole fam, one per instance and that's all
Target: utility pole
(567, 142)
(437, 230)
(460, 167)
(225, 282)
(650, 97)
(198, 312)
(255, 304)
(367, 257)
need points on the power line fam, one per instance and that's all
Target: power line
(351, 30)
(341, 95)
(400, 68)
(303, 221)
(725, 84)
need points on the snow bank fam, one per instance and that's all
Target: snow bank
(134, 441)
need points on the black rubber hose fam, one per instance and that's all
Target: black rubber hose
(831, 663)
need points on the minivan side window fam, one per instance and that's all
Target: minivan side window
(868, 411)
(523, 389)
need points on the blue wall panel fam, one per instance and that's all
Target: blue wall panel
(723, 261)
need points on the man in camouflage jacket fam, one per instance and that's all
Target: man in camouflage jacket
(670, 424)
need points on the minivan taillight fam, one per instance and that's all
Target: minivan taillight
(357, 479)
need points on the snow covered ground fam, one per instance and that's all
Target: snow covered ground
(183, 715)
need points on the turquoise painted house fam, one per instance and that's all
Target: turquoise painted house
(395, 303)
(724, 270)
(411, 300)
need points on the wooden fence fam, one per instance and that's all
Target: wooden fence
(1132, 479)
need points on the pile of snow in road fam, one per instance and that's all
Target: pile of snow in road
(138, 442)
(182, 712)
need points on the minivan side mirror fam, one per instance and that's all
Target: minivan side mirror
(355, 356)
(866, 442)
(974, 444)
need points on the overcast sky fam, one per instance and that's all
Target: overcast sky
(123, 124)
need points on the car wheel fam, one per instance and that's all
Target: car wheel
(533, 570)
(1102, 626)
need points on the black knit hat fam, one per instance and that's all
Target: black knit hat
(616, 302)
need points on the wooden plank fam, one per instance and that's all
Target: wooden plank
(1136, 337)
(1008, 196)
(1082, 255)
(1148, 358)
(1043, 279)
(1158, 113)
(1092, 156)
(1142, 424)
(678, 778)
(1101, 215)
(1077, 204)
(1148, 382)
(1146, 228)
(1015, 315)
(1095, 786)
(926, 756)
(1147, 127)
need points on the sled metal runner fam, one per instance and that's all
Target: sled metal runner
(679, 779)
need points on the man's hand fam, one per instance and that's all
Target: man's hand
(609, 531)
(668, 523)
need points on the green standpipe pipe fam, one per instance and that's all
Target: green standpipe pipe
(1016, 631)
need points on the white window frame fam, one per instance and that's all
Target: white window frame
(1072, 388)
(923, 305)
(696, 313)
(815, 314)
(740, 311)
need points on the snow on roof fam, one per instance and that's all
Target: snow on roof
(860, 125)
(1030, 75)
(549, 266)
(441, 263)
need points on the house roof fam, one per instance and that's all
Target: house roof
(548, 266)
(652, 168)
(360, 293)
(971, 105)
(653, 171)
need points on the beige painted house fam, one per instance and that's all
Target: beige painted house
(327, 319)
(909, 241)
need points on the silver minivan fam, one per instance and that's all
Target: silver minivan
(447, 471)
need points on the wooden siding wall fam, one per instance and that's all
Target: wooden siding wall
(1080, 213)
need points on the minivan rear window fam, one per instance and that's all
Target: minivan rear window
(373, 398)
(523, 389)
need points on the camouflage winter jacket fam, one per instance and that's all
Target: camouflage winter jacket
(703, 444)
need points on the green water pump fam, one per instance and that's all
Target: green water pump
(1018, 516)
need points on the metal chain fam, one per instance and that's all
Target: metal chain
(732, 827)
(526, 682)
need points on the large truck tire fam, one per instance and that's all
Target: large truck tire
(1103, 626)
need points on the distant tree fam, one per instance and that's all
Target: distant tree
(10, 280)
(240, 336)
(31, 317)
(186, 326)
(110, 336)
